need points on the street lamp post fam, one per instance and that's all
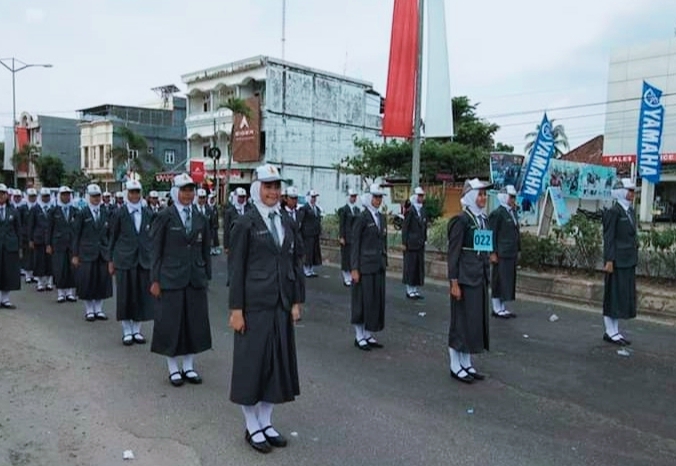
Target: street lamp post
(14, 68)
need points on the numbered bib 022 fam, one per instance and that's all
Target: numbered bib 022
(483, 240)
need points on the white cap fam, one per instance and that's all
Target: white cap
(154, 194)
(45, 192)
(292, 191)
(266, 173)
(474, 183)
(376, 190)
(183, 180)
(418, 191)
(352, 192)
(119, 194)
(625, 183)
(133, 185)
(31, 192)
(201, 193)
(94, 190)
(65, 189)
(106, 193)
(312, 193)
(509, 189)
(240, 192)
(16, 192)
(3, 188)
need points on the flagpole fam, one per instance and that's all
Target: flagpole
(417, 123)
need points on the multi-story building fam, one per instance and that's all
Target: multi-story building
(46, 135)
(303, 121)
(629, 67)
(162, 124)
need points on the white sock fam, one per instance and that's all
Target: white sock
(135, 327)
(172, 365)
(410, 289)
(497, 305)
(359, 332)
(61, 293)
(466, 360)
(98, 306)
(347, 276)
(50, 281)
(41, 282)
(4, 296)
(456, 366)
(367, 335)
(89, 307)
(252, 423)
(72, 292)
(611, 327)
(188, 361)
(127, 327)
(29, 275)
(306, 270)
(265, 418)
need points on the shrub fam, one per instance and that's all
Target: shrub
(330, 226)
(437, 236)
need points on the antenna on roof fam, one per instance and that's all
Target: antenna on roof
(166, 92)
(283, 29)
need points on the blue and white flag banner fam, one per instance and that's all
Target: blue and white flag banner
(540, 155)
(650, 126)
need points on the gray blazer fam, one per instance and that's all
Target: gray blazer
(180, 258)
(90, 239)
(369, 244)
(620, 242)
(506, 235)
(310, 224)
(127, 248)
(261, 273)
(466, 265)
(414, 230)
(60, 230)
(10, 230)
(347, 215)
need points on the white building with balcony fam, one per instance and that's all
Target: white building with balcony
(306, 122)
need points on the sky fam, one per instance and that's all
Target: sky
(515, 58)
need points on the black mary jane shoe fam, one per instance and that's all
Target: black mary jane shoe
(261, 447)
(90, 317)
(500, 316)
(468, 379)
(618, 342)
(193, 379)
(127, 340)
(373, 343)
(176, 382)
(475, 375)
(101, 316)
(411, 296)
(7, 305)
(365, 347)
(279, 441)
(138, 338)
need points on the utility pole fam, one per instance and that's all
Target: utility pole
(283, 29)
(14, 69)
(417, 123)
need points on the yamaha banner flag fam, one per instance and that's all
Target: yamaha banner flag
(650, 125)
(536, 170)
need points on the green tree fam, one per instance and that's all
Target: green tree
(132, 155)
(150, 182)
(561, 146)
(78, 180)
(464, 156)
(500, 147)
(50, 170)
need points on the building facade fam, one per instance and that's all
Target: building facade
(162, 125)
(629, 67)
(303, 120)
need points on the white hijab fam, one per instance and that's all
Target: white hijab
(258, 202)
(132, 205)
(503, 199)
(62, 204)
(414, 203)
(620, 196)
(468, 201)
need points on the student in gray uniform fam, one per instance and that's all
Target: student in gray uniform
(27, 256)
(311, 229)
(620, 255)
(61, 222)
(368, 262)
(469, 246)
(90, 255)
(181, 270)
(413, 239)
(504, 223)
(10, 234)
(38, 222)
(346, 217)
(290, 203)
(266, 280)
(130, 246)
(238, 207)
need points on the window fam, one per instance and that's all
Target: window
(133, 153)
(207, 103)
(151, 150)
(169, 157)
(102, 156)
(205, 150)
(85, 152)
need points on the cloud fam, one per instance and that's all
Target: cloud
(35, 15)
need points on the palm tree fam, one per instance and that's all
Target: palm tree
(561, 146)
(237, 106)
(133, 154)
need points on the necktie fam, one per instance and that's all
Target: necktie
(96, 215)
(65, 212)
(188, 219)
(273, 228)
(2, 213)
(630, 214)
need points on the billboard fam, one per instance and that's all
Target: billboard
(246, 137)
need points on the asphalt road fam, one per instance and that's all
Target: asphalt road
(70, 393)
